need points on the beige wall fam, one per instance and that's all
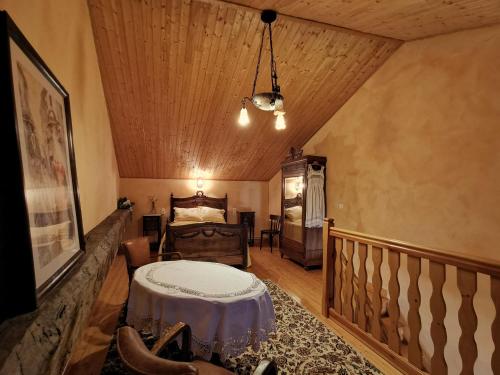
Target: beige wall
(61, 33)
(414, 154)
(275, 194)
(242, 196)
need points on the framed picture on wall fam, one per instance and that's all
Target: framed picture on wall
(41, 235)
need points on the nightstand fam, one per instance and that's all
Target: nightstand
(248, 217)
(151, 227)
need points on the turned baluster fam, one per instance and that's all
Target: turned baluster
(348, 310)
(393, 335)
(437, 273)
(328, 270)
(337, 300)
(363, 252)
(495, 327)
(414, 322)
(377, 287)
(467, 284)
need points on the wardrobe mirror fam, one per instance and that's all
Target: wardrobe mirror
(293, 223)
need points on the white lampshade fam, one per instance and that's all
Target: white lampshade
(280, 121)
(244, 120)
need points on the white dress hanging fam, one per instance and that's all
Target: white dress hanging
(315, 198)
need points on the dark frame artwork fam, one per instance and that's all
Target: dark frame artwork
(41, 232)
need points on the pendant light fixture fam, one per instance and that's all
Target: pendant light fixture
(266, 101)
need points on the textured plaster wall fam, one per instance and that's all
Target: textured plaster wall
(415, 154)
(242, 196)
(61, 33)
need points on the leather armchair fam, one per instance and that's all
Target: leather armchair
(139, 360)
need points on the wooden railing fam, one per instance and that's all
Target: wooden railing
(351, 300)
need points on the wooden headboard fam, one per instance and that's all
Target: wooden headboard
(199, 199)
(292, 202)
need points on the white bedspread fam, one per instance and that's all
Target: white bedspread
(227, 309)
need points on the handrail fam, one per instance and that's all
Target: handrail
(476, 264)
(354, 300)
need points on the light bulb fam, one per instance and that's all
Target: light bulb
(280, 121)
(244, 120)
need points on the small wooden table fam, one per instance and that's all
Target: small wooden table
(248, 217)
(151, 227)
(227, 309)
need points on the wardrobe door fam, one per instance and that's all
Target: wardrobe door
(293, 223)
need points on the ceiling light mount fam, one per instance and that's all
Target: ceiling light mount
(268, 16)
(266, 101)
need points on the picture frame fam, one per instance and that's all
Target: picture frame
(41, 231)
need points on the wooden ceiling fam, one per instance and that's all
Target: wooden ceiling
(174, 73)
(399, 19)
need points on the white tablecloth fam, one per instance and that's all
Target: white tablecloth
(227, 309)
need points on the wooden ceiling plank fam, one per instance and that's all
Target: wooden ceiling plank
(118, 58)
(225, 22)
(199, 94)
(99, 28)
(214, 148)
(209, 54)
(163, 76)
(157, 78)
(125, 28)
(183, 23)
(190, 63)
(398, 19)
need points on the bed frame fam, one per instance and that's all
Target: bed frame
(213, 242)
(292, 202)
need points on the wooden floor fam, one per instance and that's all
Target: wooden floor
(304, 286)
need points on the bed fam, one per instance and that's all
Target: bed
(198, 229)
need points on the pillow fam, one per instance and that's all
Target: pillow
(214, 215)
(293, 213)
(187, 214)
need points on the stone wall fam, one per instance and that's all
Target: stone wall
(41, 342)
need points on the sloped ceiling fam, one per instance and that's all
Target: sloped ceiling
(174, 73)
(399, 19)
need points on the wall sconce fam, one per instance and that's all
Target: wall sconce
(199, 183)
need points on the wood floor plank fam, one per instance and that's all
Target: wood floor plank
(92, 347)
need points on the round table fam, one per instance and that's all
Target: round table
(227, 309)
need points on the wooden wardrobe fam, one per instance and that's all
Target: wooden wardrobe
(303, 245)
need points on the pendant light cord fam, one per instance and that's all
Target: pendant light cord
(258, 61)
(274, 74)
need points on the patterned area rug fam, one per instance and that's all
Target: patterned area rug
(301, 345)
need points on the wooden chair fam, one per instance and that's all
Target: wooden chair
(139, 360)
(273, 231)
(138, 254)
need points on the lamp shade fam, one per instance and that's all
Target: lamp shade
(244, 120)
(280, 121)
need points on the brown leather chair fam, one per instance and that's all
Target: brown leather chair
(139, 360)
(138, 254)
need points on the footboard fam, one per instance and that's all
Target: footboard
(222, 243)
(422, 309)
